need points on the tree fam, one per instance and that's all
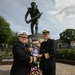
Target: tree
(14, 38)
(68, 35)
(5, 31)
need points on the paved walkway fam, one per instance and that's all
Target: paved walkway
(61, 69)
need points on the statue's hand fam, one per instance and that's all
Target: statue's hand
(27, 21)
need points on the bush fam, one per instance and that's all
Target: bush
(0, 58)
(6, 53)
(68, 54)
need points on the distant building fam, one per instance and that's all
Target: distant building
(61, 44)
(72, 44)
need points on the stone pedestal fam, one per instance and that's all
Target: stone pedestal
(35, 39)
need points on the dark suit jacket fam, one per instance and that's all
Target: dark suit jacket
(21, 56)
(48, 46)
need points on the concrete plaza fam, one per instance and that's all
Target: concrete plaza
(61, 69)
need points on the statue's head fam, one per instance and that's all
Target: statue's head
(33, 4)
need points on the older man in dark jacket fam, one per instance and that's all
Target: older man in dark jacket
(22, 57)
(47, 55)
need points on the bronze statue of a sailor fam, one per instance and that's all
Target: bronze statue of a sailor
(35, 15)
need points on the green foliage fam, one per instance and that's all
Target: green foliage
(68, 54)
(14, 38)
(6, 53)
(6, 35)
(68, 35)
(5, 31)
(0, 58)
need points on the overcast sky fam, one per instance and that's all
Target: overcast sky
(58, 15)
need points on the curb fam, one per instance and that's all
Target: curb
(70, 62)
